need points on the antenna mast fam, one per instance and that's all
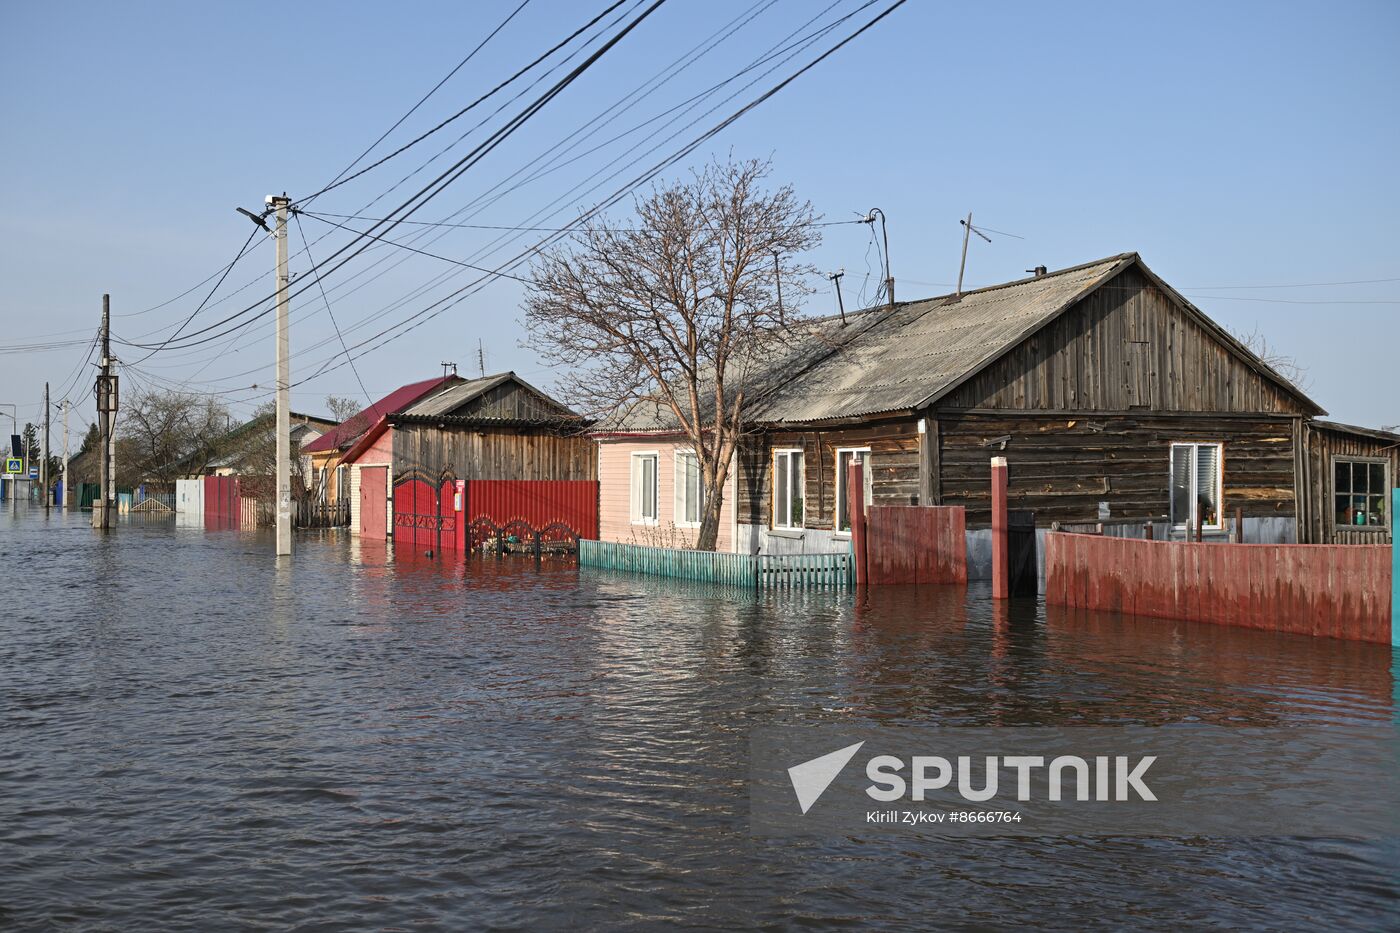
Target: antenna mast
(835, 277)
(968, 228)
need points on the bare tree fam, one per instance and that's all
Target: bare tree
(342, 409)
(1286, 366)
(668, 311)
(165, 435)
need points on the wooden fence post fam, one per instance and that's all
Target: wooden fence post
(1001, 585)
(855, 498)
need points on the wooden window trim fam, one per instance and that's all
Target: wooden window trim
(841, 485)
(1332, 494)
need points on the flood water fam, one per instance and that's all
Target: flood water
(194, 737)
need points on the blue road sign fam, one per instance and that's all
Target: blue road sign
(14, 465)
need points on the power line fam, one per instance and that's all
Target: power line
(455, 297)
(439, 184)
(297, 216)
(460, 113)
(421, 101)
(660, 78)
(413, 249)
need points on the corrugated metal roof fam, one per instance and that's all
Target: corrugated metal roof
(893, 359)
(345, 433)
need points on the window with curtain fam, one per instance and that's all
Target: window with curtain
(1359, 492)
(1196, 486)
(644, 488)
(844, 458)
(789, 490)
(690, 492)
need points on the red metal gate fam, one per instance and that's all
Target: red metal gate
(222, 502)
(424, 513)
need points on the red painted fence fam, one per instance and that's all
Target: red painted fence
(222, 502)
(1339, 591)
(916, 544)
(537, 503)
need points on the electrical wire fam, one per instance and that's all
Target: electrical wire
(421, 101)
(326, 299)
(439, 184)
(663, 75)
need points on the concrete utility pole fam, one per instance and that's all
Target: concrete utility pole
(44, 463)
(106, 421)
(66, 406)
(284, 379)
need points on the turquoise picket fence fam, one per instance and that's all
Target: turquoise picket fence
(747, 570)
(804, 571)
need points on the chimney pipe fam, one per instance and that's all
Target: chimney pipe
(1038, 271)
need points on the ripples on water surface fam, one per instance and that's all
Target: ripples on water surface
(195, 738)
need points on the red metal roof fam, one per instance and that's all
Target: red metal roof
(346, 433)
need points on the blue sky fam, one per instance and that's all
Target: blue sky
(1232, 145)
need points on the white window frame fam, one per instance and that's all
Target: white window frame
(1189, 525)
(342, 481)
(784, 523)
(634, 487)
(680, 489)
(841, 486)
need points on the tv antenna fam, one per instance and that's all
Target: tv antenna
(835, 277)
(968, 229)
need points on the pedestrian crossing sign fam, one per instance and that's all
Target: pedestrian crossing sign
(14, 465)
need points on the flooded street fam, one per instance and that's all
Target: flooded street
(197, 738)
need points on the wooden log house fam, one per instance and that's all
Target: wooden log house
(1112, 397)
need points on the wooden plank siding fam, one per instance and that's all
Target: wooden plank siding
(894, 459)
(495, 453)
(510, 399)
(1126, 345)
(1316, 516)
(1063, 467)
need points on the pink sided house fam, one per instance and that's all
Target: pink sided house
(649, 488)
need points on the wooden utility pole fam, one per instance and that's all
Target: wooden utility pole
(106, 421)
(279, 204)
(44, 463)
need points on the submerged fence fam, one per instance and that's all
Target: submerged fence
(1335, 590)
(747, 570)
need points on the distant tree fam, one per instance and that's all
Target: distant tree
(668, 308)
(1286, 366)
(90, 440)
(342, 409)
(165, 435)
